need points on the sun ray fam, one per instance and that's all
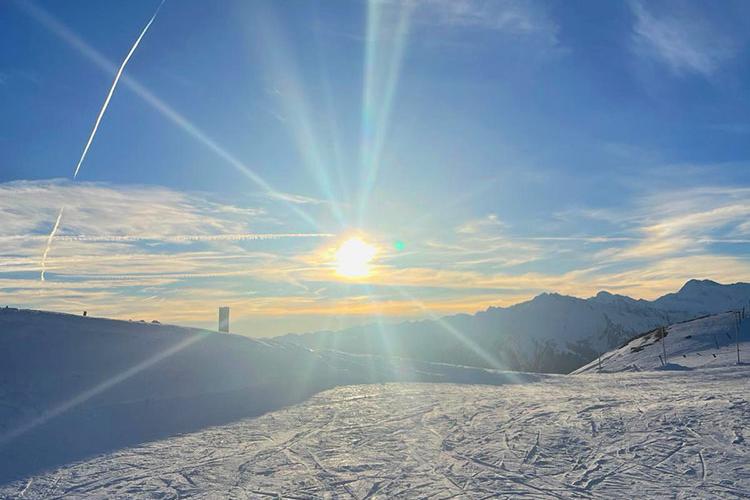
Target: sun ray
(381, 73)
(290, 90)
(99, 388)
(90, 53)
(491, 360)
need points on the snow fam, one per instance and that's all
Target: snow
(700, 343)
(701, 297)
(626, 435)
(95, 408)
(74, 387)
(551, 333)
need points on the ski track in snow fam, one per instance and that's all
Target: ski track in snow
(647, 434)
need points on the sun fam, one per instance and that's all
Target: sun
(353, 258)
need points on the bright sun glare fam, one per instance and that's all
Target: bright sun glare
(353, 258)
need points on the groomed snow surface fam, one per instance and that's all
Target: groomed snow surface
(219, 416)
(629, 435)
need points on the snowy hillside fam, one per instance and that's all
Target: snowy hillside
(72, 386)
(95, 408)
(550, 333)
(701, 343)
(628, 435)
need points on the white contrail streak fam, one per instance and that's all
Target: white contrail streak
(93, 131)
(106, 238)
(112, 89)
(49, 242)
(168, 112)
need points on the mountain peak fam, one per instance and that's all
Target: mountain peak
(605, 297)
(695, 284)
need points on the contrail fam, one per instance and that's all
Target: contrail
(112, 89)
(93, 131)
(49, 242)
(172, 238)
(69, 37)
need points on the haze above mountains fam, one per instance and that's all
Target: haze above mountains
(550, 333)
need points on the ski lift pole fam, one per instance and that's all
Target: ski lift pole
(737, 335)
(663, 347)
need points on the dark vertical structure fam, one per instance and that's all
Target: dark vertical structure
(224, 319)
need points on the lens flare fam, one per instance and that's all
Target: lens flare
(353, 258)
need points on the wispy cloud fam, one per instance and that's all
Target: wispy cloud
(683, 39)
(687, 221)
(296, 198)
(108, 228)
(175, 255)
(491, 223)
(507, 16)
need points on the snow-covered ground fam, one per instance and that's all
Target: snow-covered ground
(627, 435)
(74, 387)
(94, 408)
(701, 343)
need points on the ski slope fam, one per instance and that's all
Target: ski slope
(74, 387)
(95, 408)
(701, 343)
(626, 435)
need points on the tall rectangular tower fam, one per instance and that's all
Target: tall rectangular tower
(224, 319)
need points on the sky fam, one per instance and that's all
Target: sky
(485, 151)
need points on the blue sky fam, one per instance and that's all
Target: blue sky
(512, 147)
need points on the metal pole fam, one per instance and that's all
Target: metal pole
(737, 336)
(663, 347)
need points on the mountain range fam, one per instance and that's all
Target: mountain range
(550, 333)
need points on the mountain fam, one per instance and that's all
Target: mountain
(550, 333)
(706, 342)
(701, 297)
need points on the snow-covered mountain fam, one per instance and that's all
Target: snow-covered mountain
(705, 342)
(550, 333)
(701, 297)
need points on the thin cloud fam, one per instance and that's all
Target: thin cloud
(491, 223)
(297, 199)
(506, 16)
(110, 228)
(686, 42)
(680, 222)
